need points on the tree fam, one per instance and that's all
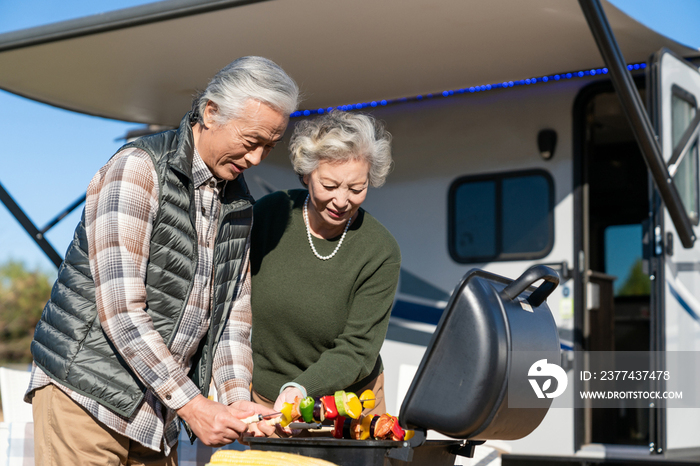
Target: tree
(23, 294)
(637, 282)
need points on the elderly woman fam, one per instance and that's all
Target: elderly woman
(324, 270)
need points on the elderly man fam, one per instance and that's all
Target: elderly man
(153, 298)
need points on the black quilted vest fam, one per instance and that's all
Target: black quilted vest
(69, 343)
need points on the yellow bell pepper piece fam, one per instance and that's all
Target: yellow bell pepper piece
(286, 414)
(368, 395)
(353, 407)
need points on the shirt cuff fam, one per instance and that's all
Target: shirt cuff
(177, 393)
(234, 390)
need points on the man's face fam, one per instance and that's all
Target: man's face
(240, 143)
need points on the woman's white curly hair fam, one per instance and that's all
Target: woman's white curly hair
(338, 137)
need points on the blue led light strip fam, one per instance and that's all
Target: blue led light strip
(487, 87)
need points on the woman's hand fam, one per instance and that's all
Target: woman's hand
(288, 395)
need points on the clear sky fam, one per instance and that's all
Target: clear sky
(48, 156)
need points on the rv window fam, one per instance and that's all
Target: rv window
(504, 216)
(686, 177)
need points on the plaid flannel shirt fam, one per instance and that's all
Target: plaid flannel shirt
(121, 206)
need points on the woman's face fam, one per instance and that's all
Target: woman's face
(337, 190)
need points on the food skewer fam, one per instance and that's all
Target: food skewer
(344, 409)
(260, 417)
(315, 426)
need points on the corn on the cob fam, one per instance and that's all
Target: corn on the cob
(263, 458)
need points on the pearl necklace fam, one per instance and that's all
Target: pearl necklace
(308, 233)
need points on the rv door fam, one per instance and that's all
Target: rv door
(674, 87)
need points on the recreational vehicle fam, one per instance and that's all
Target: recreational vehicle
(518, 140)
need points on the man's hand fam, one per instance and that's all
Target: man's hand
(241, 409)
(215, 424)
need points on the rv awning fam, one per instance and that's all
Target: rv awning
(144, 64)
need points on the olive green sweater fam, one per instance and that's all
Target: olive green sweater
(318, 323)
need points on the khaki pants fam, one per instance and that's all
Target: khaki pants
(66, 434)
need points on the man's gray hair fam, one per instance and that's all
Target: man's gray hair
(247, 78)
(338, 137)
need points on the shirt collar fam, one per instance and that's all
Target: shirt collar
(201, 173)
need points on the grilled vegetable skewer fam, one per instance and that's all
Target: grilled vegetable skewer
(384, 427)
(342, 403)
(345, 409)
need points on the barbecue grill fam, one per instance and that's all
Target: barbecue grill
(462, 383)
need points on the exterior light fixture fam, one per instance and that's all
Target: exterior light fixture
(546, 143)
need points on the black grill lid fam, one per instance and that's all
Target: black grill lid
(461, 386)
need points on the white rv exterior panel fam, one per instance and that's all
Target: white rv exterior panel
(682, 280)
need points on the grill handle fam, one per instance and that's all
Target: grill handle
(530, 276)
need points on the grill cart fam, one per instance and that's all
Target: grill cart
(462, 384)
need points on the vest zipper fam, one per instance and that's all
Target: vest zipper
(234, 207)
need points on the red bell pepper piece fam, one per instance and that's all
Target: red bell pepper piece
(331, 410)
(338, 427)
(397, 433)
